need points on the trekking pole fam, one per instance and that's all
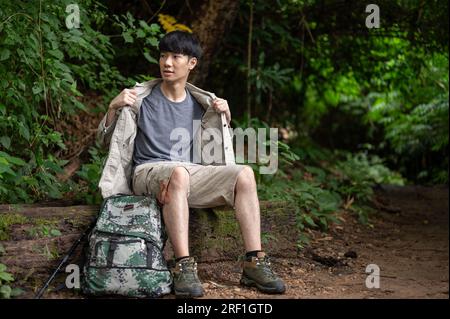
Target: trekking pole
(64, 260)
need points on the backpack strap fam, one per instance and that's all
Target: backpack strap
(110, 256)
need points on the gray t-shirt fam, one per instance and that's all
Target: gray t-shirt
(158, 118)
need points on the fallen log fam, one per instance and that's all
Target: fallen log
(35, 238)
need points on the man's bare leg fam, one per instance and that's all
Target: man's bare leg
(256, 271)
(176, 211)
(247, 209)
(176, 218)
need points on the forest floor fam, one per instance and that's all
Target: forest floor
(409, 244)
(407, 238)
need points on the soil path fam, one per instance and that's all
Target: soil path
(408, 242)
(407, 239)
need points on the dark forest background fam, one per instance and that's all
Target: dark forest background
(355, 106)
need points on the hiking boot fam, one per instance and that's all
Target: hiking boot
(185, 280)
(257, 273)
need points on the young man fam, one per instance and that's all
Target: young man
(147, 155)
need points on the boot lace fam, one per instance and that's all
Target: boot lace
(264, 264)
(188, 271)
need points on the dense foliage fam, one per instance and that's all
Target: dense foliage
(351, 100)
(46, 68)
(317, 68)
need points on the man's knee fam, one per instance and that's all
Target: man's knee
(179, 179)
(246, 179)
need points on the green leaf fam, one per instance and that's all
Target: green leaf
(130, 19)
(2, 267)
(53, 166)
(127, 37)
(57, 54)
(15, 292)
(5, 292)
(150, 58)
(73, 86)
(4, 54)
(144, 25)
(55, 232)
(16, 160)
(37, 88)
(6, 141)
(323, 222)
(306, 196)
(6, 276)
(152, 41)
(24, 131)
(310, 221)
(155, 27)
(140, 34)
(5, 167)
(2, 251)
(92, 174)
(328, 202)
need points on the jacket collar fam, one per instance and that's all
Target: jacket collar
(203, 97)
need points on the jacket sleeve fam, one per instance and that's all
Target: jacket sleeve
(104, 133)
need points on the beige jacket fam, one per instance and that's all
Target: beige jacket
(120, 134)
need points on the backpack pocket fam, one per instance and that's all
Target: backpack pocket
(138, 217)
(126, 252)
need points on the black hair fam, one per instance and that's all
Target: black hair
(181, 42)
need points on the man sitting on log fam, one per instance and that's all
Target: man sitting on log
(156, 132)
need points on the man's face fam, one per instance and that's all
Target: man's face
(175, 66)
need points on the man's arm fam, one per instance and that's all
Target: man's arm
(108, 123)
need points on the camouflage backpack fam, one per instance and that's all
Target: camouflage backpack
(125, 250)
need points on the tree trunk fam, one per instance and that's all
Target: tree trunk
(210, 23)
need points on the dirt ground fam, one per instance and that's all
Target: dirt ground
(408, 242)
(407, 238)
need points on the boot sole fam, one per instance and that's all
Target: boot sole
(269, 290)
(186, 295)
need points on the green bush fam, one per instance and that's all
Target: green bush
(324, 183)
(90, 173)
(41, 63)
(46, 68)
(6, 292)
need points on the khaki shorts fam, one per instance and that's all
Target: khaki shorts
(210, 185)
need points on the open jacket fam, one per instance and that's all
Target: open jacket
(120, 134)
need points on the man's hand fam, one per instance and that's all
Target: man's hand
(221, 105)
(126, 97)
